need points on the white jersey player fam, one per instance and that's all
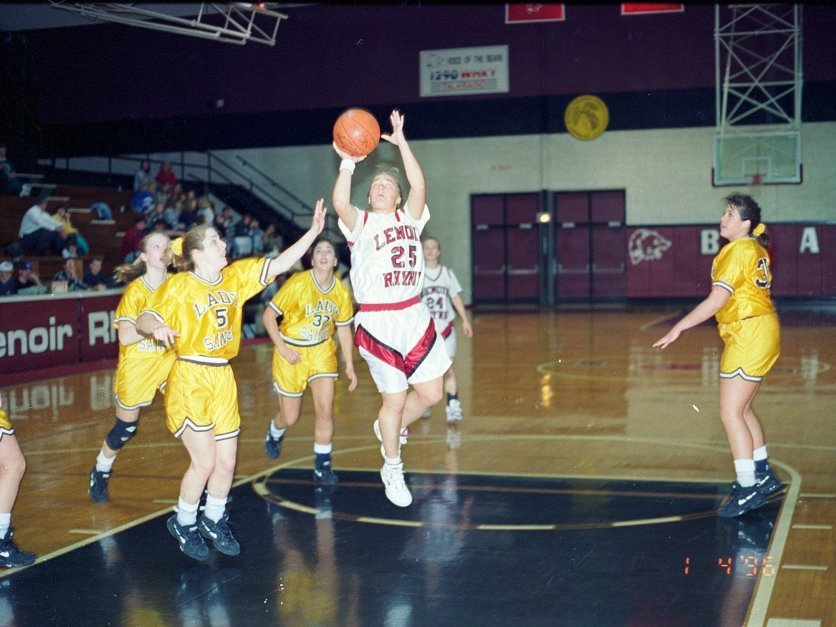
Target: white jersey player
(441, 295)
(393, 328)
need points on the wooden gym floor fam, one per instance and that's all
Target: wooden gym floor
(579, 489)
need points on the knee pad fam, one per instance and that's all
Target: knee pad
(121, 433)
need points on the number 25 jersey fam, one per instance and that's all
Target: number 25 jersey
(387, 258)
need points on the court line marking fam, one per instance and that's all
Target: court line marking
(814, 527)
(804, 567)
(649, 325)
(763, 591)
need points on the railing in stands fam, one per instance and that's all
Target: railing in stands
(206, 167)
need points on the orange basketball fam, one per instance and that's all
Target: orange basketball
(356, 132)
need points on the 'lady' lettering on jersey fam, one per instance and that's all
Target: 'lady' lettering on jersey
(220, 297)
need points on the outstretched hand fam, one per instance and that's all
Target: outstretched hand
(166, 335)
(669, 338)
(344, 155)
(318, 222)
(396, 136)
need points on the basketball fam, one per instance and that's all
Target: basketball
(356, 132)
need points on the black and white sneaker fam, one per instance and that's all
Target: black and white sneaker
(220, 534)
(98, 486)
(324, 475)
(768, 484)
(189, 539)
(273, 446)
(10, 554)
(740, 501)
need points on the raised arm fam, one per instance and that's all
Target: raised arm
(713, 303)
(292, 254)
(341, 197)
(414, 174)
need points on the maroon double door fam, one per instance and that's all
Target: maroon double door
(579, 256)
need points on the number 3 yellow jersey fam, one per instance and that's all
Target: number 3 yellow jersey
(742, 268)
(207, 315)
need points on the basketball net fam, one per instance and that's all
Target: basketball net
(755, 185)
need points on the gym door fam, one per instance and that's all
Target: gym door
(589, 246)
(506, 251)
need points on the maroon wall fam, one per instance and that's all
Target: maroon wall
(675, 261)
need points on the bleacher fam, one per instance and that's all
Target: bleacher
(104, 236)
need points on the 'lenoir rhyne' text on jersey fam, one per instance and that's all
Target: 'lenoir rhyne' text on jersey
(387, 258)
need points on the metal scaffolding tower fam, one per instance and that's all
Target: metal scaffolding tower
(758, 93)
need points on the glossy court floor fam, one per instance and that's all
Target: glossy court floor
(579, 489)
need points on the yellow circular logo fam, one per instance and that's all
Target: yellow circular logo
(586, 117)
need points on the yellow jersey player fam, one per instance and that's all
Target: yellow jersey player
(312, 305)
(199, 312)
(12, 467)
(143, 364)
(748, 325)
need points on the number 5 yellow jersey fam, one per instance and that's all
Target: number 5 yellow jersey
(207, 315)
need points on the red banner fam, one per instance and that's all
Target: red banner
(47, 331)
(643, 8)
(521, 13)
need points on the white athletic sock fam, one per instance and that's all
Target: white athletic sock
(5, 522)
(392, 460)
(186, 513)
(745, 469)
(760, 453)
(214, 508)
(322, 449)
(104, 463)
(274, 432)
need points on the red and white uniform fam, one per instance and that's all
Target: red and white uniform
(440, 286)
(393, 328)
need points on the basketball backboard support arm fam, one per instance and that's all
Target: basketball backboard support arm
(239, 22)
(758, 93)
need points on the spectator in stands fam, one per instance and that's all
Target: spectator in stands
(8, 286)
(189, 215)
(143, 200)
(62, 214)
(132, 239)
(166, 175)
(68, 274)
(257, 235)
(156, 217)
(242, 244)
(9, 183)
(70, 250)
(206, 211)
(225, 226)
(273, 240)
(143, 175)
(39, 231)
(27, 281)
(102, 210)
(94, 278)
